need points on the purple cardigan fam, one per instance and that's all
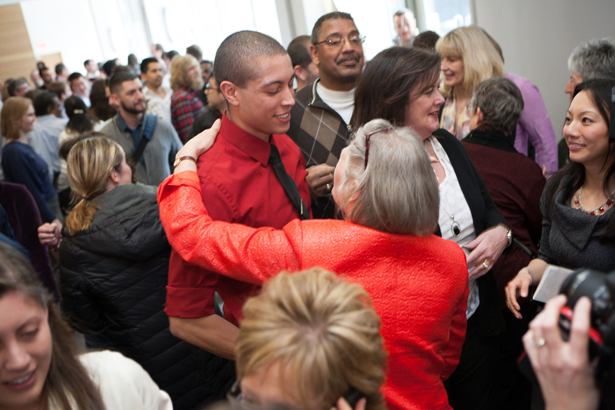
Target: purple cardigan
(535, 125)
(25, 219)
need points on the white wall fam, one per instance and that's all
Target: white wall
(537, 36)
(62, 26)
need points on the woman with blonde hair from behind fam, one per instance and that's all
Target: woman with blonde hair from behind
(310, 340)
(114, 261)
(468, 59)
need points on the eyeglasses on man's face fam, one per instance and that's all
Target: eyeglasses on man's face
(336, 40)
(208, 87)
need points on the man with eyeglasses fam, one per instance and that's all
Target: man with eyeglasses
(319, 119)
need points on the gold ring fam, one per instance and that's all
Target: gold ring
(329, 187)
(486, 264)
(539, 343)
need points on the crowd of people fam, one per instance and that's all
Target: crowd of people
(300, 227)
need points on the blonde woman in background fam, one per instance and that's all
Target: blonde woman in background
(308, 340)
(468, 59)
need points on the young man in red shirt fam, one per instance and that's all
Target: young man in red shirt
(239, 183)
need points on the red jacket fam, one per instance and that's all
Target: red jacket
(418, 286)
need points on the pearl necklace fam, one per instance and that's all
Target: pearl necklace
(576, 199)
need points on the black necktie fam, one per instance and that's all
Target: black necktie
(287, 182)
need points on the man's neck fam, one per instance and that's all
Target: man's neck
(337, 86)
(132, 120)
(243, 126)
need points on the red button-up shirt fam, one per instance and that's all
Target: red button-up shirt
(237, 185)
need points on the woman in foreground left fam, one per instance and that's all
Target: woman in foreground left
(39, 364)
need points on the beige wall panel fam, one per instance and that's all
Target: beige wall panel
(16, 55)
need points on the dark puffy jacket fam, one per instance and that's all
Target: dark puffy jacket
(113, 282)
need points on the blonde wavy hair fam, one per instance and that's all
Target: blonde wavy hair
(481, 60)
(89, 164)
(13, 110)
(179, 73)
(322, 330)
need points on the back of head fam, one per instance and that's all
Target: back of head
(195, 51)
(58, 88)
(146, 62)
(397, 190)
(59, 68)
(480, 58)
(67, 382)
(299, 51)
(78, 120)
(13, 109)
(384, 87)
(593, 59)
(234, 60)
(319, 328)
(43, 103)
(426, 40)
(501, 103)
(88, 165)
(179, 71)
(118, 78)
(329, 16)
(108, 67)
(100, 102)
(132, 60)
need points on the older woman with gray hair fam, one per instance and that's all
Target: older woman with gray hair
(388, 194)
(515, 183)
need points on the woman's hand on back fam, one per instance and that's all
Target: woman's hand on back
(197, 146)
(486, 249)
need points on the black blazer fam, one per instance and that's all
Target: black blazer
(485, 215)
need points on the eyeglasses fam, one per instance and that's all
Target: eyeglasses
(368, 136)
(336, 40)
(209, 87)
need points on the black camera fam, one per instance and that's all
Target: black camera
(600, 289)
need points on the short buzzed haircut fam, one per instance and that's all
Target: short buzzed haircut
(329, 16)
(299, 51)
(594, 59)
(43, 102)
(501, 103)
(146, 62)
(86, 62)
(235, 57)
(119, 77)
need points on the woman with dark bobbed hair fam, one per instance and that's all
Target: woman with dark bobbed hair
(401, 86)
(387, 192)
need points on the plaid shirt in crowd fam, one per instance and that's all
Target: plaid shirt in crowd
(185, 107)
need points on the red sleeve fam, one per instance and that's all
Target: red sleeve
(190, 291)
(237, 251)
